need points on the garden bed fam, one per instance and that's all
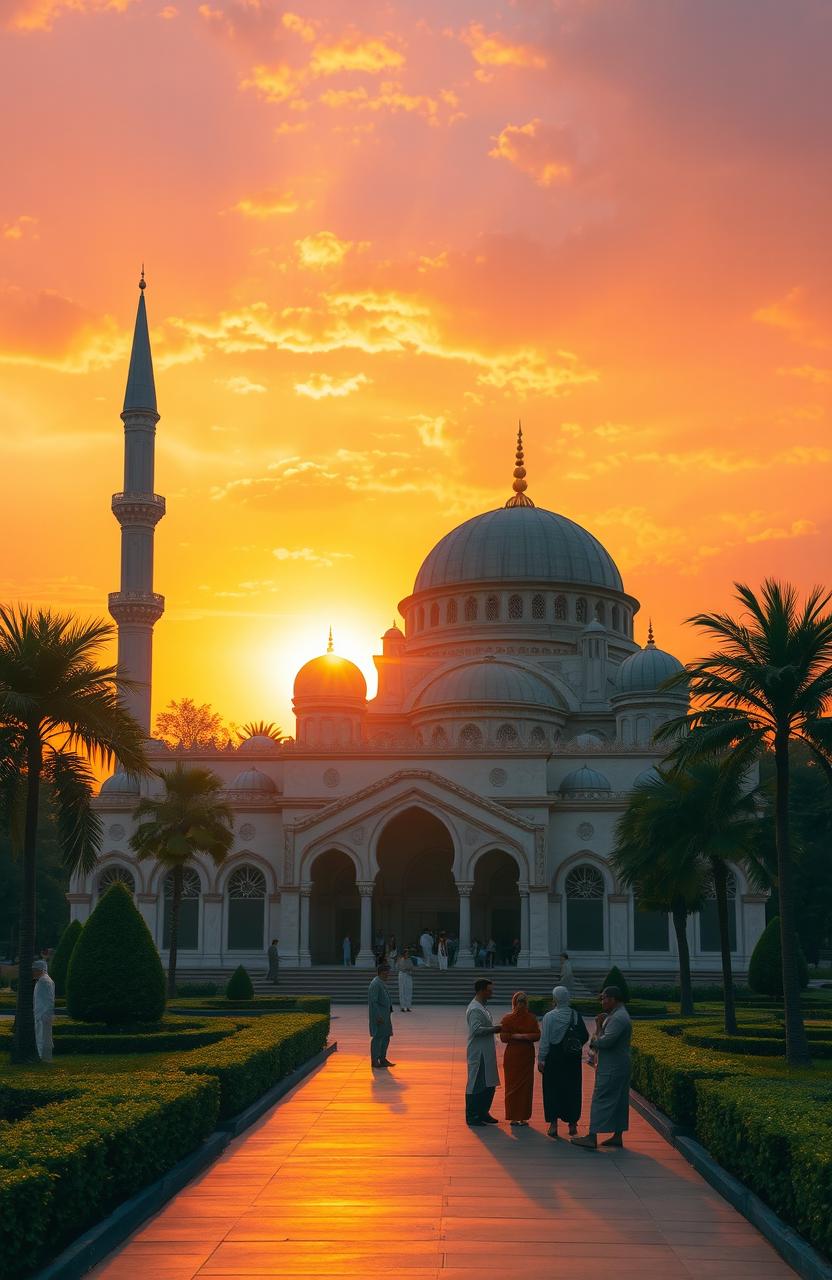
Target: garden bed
(637, 1008)
(260, 1004)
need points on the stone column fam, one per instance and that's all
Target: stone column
(539, 928)
(148, 904)
(464, 959)
(212, 930)
(524, 958)
(619, 940)
(752, 922)
(273, 920)
(289, 930)
(556, 943)
(304, 954)
(80, 905)
(365, 958)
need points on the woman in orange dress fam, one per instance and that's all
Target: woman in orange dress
(519, 1030)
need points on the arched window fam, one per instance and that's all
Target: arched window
(561, 612)
(450, 612)
(585, 909)
(515, 607)
(709, 916)
(188, 932)
(471, 609)
(507, 736)
(601, 613)
(537, 737)
(115, 875)
(492, 609)
(538, 607)
(439, 737)
(470, 736)
(616, 618)
(246, 909)
(580, 610)
(434, 614)
(420, 618)
(650, 929)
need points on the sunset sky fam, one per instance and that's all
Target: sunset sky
(375, 236)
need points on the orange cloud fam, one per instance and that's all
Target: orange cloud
(354, 54)
(23, 226)
(268, 204)
(789, 315)
(322, 249)
(495, 51)
(40, 15)
(275, 84)
(301, 26)
(808, 373)
(48, 331)
(541, 151)
(242, 386)
(321, 385)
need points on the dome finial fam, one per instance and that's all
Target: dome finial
(651, 642)
(519, 486)
(330, 644)
(142, 281)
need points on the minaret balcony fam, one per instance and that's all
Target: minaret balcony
(141, 608)
(138, 508)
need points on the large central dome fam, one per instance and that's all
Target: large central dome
(518, 544)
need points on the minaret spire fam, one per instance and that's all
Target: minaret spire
(651, 643)
(519, 498)
(136, 607)
(330, 644)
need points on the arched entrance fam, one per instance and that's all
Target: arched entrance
(334, 907)
(415, 887)
(495, 902)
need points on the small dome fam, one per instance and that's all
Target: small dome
(584, 779)
(589, 739)
(258, 742)
(487, 682)
(645, 671)
(646, 775)
(331, 677)
(120, 784)
(393, 633)
(593, 628)
(253, 780)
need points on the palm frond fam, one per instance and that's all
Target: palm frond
(80, 827)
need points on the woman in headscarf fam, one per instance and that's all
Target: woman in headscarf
(563, 1034)
(519, 1030)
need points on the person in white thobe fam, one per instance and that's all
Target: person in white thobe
(44, 1009)
(567, 977)
(483, 1076)
(442, 951)
(426, 943)
(404, 969)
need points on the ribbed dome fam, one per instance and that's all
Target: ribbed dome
(487, 682)
(393, 633)
(253, 780)
(644, 671)
(584, 779)
(330, 677)
(258, 742)
(518, 544)
(120, 784)
(646, 775)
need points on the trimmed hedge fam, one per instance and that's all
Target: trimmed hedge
(59, 964)
(636, 1008)
(270, 1004)
(239, 985)
(615, 978)
(170, 1036)
(23, 1193)
(115, 974)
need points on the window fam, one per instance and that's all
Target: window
(434, 615)
(471, 736)
(537, 737)
(538, 608)
(580, 610)
(616, 618)
(439, 737)
(492, 609)
(246, 909)
(601, 613)
(188, 934)
(709, 916)
(650, 929)
(471, 609)
(507, 736)
(515, 607)
(115, 875)
(561, 612)
(585, 909)
(450, 612)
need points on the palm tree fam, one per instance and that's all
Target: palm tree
(768, 684)
(260, 729)
(60, 712)
(186, 819)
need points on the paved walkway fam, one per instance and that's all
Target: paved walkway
(376, 1174)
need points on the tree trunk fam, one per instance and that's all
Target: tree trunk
(24, 1046)
(720, 874)
(680, 924)
(797, 1046)
(176, 902)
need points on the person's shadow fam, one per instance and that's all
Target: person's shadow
(389, 1091)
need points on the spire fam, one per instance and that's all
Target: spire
(519, 499)
(330, 644)
(141, 389)
(651, 643)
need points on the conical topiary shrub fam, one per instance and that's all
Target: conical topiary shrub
(765, 971)
(59, 964)
(615, 978)
(239, 985)
(115, 974)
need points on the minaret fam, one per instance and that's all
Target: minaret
(136, 607)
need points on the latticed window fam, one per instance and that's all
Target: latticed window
(492, 609)
(537, 737)
(616, 618)
(439, 737)
(580, 610)
(451, 611)
(709, 939)
(507, 736)
(538, 607)
(515, 607)
(471, 609)
(434, 615)
(560, 609)
(471, 736)
(585, 909)
(116, 875)
(650, 929)
(246, 909)
(601, 613)
(188, 933)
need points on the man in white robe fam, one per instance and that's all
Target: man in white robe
(483, 1076)
(426, 943)
(44, 1009)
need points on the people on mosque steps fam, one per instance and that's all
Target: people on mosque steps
(347, 951)
(274, 961)
(442, 951)
(567, 976)
(404, 970)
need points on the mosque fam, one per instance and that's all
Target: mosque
(477, 792)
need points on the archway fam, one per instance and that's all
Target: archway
(415, 887)
(334, 907)
(495, 902)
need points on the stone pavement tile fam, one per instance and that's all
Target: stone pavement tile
(736, 1268)
(256, 1259)
(337, 1228)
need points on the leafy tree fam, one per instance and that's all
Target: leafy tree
(260, 729)
(768, 684)
(185, 724)
(51, 907)
(765, 972)
(188, 818)
(239, 985)
(59, 711)
(115, 974)
(615, 978)
(63, 954)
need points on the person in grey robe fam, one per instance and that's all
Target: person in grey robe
(274, 961)
(610, 1111)
(380, 1007)
(43, 999)
(567, 976)
(483, 1076)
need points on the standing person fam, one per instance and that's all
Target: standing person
(380, 1008)
(563, 1034)
(475, 951)
(567, 977)
(346, 951)
(519, 1030)
(404, 968)
(491, 954)
(274, 961)
(610, 1111)
(442, 951)
(43, 998)
(426, 943)
(453, 948)
(483, 1076)
(392, 951)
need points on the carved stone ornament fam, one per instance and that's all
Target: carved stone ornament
(331, 777)
(288, 858)
(357, 834)
(586, 830)
(540, 855)
(471, 836)
(116, 831)
(498, 777)
(247, 830)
